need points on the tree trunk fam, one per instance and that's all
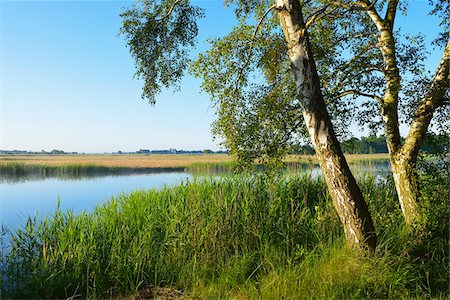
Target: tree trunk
(405, 179)
(346, 195)
(404, 157)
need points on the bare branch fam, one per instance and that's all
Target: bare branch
(361, 35)
(347, 75)
(354, 58)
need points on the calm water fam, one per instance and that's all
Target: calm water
(27, 197)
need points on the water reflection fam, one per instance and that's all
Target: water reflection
(39, 175)
(27, 197)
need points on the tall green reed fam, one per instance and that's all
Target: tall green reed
(238, 237)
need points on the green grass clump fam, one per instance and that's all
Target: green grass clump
(241, 237)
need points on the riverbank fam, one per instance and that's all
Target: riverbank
(239, 238)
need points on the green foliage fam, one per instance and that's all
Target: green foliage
(159, 35)
(241, 237)
(441, 9)
(248, 77)
(365, 145)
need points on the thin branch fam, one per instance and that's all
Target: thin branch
(361, 35)
(354, 92)
(170, 10)
(354, 58)
(249, 53)
(347, 77)
(287, 135)
(318, 14)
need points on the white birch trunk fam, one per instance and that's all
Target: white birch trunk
(347, 197)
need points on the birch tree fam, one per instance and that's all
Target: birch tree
(397, 67)
(263, 79)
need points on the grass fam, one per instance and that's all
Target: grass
(230, 238)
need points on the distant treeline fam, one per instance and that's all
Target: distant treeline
(173, 151)
(42, 152)
(141, 151)
(433, 143)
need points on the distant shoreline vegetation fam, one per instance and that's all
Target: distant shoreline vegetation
(365, 145)
(141, 151)
(16, 171)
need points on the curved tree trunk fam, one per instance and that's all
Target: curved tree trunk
(347, 197)
(404, 157)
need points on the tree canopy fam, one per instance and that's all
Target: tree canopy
(247, 73)
(294, 67)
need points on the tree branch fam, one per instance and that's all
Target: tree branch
(170, 10)
(372, 12)
(428, 105)
(390, 13)
(249, 53)
(347, 74)
(353, 59)
(319, 14)
(353, 92)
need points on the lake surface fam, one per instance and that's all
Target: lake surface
(27, 197)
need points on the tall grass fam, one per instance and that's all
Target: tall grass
(241, 237)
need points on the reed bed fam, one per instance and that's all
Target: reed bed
(153, 160)
(243, 237)
(109, 160)
(20, 169)
(14, 169)
(359, 167)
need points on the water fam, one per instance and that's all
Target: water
(21, 198)
(26, 196)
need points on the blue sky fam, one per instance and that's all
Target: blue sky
(66, 80)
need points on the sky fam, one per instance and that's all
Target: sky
(66, 80)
